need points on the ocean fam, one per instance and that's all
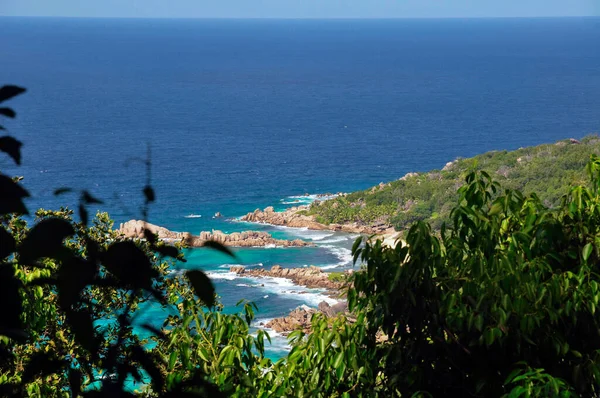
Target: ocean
(244, 114)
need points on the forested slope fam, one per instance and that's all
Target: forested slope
(548, 170)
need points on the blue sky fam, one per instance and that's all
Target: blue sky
(300, 8)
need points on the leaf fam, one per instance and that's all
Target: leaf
(74, 275)
(75, 382)
(159, 333)
(82, 325)
(202, 286)
(168, 250)
(12, 147)
(587, 251)
(61, 191)
(10, 315)
(7, 112)
(211, 244)
(45, 239)
(41, 364)
(88, 199)
(11, 199)
(83, 214)
(149, 193)
(7, 243)
(8, 92)
(150, 236)
(130, 264)
(149, 363)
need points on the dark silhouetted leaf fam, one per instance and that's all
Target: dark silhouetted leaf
(83, 214)
(75, 382)
(61, 191)
(149, 193)
(203, 287)
(154, 330)
(45, 239)
(11, 324)
(168, 250)
(149, 364)
(150, 236)
(41, 364)
(7, 112)
(88, 199)
(130, 264)
(7, 243)
(7, 92)
(12, 147)
(11, 199)
(219, 247)
(74, 275)
(82, 325)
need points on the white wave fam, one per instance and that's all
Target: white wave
(266, 296)
(330, 266)
(342, 253)
(193, 216)
(305, 233)
(243, 285)
(222, 275)
(285, 287)
(279, 342)
(335, 239)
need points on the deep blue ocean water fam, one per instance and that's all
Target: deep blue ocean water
(242, 114)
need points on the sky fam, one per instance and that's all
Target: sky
(300, 8)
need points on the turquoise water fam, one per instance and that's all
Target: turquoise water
(244, 114)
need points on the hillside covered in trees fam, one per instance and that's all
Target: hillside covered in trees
(546, 170)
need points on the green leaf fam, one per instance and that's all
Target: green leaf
(338, 359)
(587, 251)
(202, 286)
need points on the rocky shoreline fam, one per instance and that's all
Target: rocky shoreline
(136, 228)
(300, 317)
(311, 277)
(296, 217)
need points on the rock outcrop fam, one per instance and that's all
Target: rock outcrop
(136, 228)
(301, 316)
(297, 319)
(295, 218)
(311, 277)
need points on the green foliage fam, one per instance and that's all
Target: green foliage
(548, 170)
(337, 276)
(503, 303)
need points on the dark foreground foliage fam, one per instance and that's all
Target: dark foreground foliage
(501, 303)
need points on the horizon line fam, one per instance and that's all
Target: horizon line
(305, 18)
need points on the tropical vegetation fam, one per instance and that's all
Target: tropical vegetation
(547, 170)
(500, 302)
